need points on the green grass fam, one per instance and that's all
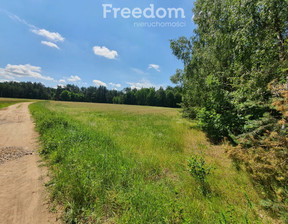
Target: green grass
(129, 164)
(6, 102)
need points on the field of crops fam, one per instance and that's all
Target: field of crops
(130, 164)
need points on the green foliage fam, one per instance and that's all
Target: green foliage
(65, 95)
(237, 49)
(212, 123)
(264, 151)
(200, 171)
(171, 97)
(151, 98)
(143, 96)
(26, 90)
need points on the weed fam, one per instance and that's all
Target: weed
(200, 171)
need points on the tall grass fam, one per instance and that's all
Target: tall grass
(112, 166)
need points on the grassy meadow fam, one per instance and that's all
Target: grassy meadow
(6, 102)
(129, 164)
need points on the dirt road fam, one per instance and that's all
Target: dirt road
(22, 195)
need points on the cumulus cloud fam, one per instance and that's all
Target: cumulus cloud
(49, 35)
(115, 85)
(99, 83)
(144, 83)
(62, 81)
(105, 52)
(11, 72)
(74, 78)
(50, 44)
(153, 66)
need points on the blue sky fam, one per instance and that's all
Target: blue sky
(61, 42)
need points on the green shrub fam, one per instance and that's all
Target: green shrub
(200, 171)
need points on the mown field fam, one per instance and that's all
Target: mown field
(129, 164)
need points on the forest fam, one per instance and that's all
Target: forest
(235, 83)
(169, 97)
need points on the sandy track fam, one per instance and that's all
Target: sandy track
(22, 195)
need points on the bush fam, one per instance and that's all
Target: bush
(199, 170)
(264, 152)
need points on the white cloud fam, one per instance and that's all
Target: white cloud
(74, 78)
(6, 75)
(62, 81)
(139, 71)
(50, 44)
(49, 35)
(156, 67)
(144, 83)
(52, 36)
(115, 85)
(11, 72)
(18, 19)
(105, 52)
(99, 83)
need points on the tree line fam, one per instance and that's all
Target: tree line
(235, 83)
(237, 49)
(169, 97)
